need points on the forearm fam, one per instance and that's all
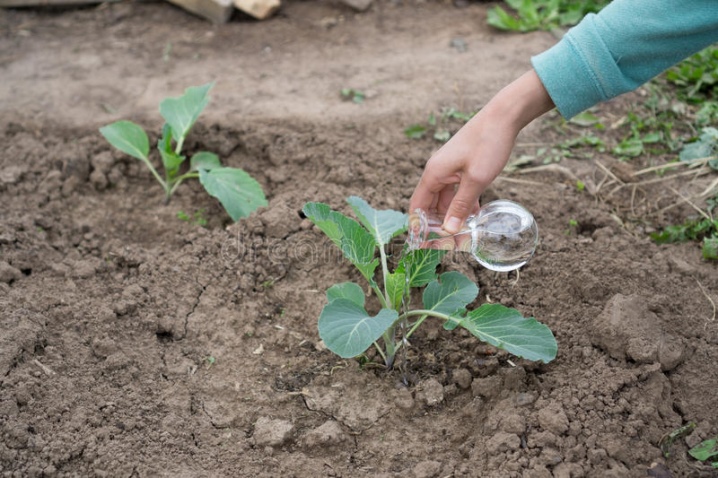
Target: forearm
(491, 134)
(626, 44)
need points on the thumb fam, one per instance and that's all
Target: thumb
(465, 202)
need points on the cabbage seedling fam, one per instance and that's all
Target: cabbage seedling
(348, 329)
(237, 191)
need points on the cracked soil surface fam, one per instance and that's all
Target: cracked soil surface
(136, 344)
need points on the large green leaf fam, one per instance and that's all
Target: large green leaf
(450, 294)
(355, 242)
(421, 265)
(182, 112)
(346, 290)
(507, 329)
(383, 225)
(348, 330)
(128, 137)
(239, 193)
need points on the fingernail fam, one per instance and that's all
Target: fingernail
(453, 225)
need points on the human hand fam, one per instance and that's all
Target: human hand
(457, 174)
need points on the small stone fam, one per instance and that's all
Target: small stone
(103, 348)
(8, 408)
(550, 457)
(659, 470)
(83, 269)
(487, 388)
(524, 399)
(359, 5)
(553, 419)
(271, 432)
(404, 400)
(430, 392)
(502, 442)
(459, 44)
(102, 162)
(99, 180)
(126, 307)
(427, 469)
(462, 377)
(11, 174)
(328, 434)
(117, 361)
(133, 291)
(542, 439)
(513, 423)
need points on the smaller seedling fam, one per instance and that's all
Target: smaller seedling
(704, 230)
(572, 227)
(239, 193)
(354, 95)
(197, 218)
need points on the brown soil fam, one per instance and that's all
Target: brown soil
(136, 344)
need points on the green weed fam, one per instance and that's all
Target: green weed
(441, 126)
(197, 218)
(530, 15)
(697, 76)
(350, 94)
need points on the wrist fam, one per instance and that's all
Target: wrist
(520, 102)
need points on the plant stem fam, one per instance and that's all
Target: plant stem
(156, 174)
(179, 180)
(381, 352)
(380, 296)
(433, 313)
(390, 347)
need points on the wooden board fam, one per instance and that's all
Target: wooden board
(259, 9)
(41, 3)
(217, 11)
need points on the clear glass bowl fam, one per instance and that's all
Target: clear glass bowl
(502, 236)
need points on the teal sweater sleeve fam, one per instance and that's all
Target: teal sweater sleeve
(623, 46)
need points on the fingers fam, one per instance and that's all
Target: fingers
(446, 195)
(423, 197)
(463, 204)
